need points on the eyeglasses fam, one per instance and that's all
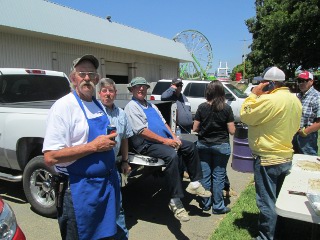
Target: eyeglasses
(91, 75)
(105, 90)
(303, 80)
(141, 86)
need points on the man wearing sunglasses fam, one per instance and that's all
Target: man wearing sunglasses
(305, 141)
(184, 115)
(153, 137)
(77, 146)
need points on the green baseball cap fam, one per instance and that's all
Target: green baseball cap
(138, 81)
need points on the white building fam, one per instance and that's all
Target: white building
(45, 35)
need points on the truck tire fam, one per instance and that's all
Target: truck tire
(37, 187)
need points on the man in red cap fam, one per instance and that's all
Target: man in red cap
(305, 141)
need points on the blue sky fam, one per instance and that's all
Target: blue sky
(222, 22)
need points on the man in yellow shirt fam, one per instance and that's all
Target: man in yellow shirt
(273, 116)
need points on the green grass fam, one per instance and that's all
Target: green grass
(242, 222)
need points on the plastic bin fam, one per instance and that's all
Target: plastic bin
(242, 160)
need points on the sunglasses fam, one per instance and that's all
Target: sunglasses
(91, 75)
(179, 85)
(303, 80)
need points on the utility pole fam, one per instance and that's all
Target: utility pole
(244, 57)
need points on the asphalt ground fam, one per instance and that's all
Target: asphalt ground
(148, 215)
(145, 204)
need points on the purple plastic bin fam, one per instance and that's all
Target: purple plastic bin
(242, 164)
(242, 160)
(241, 147)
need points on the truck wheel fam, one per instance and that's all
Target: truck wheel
(37, 187)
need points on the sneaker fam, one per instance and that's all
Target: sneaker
(179, 212)
(223, 211)
(200, 191)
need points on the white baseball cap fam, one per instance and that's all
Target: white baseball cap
(273, 74)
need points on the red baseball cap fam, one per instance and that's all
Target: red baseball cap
(305, 75)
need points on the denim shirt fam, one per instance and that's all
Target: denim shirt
(118, 118)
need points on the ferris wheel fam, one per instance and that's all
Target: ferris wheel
(201, 51)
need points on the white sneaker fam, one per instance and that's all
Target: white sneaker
(200, 191)
(179, 212)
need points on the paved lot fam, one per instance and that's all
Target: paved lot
(147, 214)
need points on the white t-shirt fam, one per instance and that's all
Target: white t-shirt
(67, 125)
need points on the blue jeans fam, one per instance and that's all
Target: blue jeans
(306, 145)
(214, 160)
(67, 219)
(173, 173)
(268, 182)
(122, 231)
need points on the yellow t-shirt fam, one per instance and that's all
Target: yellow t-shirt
(272, 121)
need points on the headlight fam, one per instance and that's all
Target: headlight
(8, 224)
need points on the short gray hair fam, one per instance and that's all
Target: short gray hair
(105, 82)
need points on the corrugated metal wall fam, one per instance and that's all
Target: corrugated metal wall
(31, 52)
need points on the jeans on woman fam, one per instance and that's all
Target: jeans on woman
(214, 159)
(268, 182)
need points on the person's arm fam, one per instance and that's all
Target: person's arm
(231, 128)
(310, 129)
(68, 154)
(316, 125)
(168, 94)
(196, 126)
(125, 167)
(139, 124)
(197, 119)
(151, 136)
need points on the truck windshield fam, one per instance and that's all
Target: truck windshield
(160, 87)
(236, 91)
(29, 88)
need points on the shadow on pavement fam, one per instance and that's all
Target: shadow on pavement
(12, 191)
(148, 201)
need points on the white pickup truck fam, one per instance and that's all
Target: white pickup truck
(26, 96)
(194, 90)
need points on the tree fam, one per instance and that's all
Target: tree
(286, 33)
(247, 74)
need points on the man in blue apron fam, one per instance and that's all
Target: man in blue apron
(77, 145)
(154, 138)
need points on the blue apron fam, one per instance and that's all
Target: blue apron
(94, 185)
(157, 126)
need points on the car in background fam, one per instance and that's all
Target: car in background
(194, 90)
(249, 89)
(9, 229)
